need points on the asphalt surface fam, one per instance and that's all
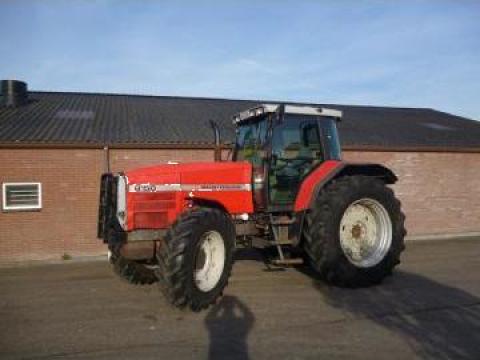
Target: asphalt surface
(429, 309)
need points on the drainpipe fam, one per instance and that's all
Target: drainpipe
(106, 158)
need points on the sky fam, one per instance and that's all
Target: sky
(386, 53)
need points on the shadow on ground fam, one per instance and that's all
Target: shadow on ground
(228, 324)
(438, 321)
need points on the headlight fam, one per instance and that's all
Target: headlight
(122, 200)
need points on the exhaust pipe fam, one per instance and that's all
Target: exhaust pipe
(218, 149)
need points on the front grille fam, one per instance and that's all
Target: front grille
(108, 227)
(107, 205)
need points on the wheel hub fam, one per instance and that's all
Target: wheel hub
(209, 261)
(365, 232)
(357, 232)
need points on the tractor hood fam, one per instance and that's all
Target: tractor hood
(197, 173)
(156, 195)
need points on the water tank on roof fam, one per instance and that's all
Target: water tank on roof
(14, 93)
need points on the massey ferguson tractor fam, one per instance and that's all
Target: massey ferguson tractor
(286, 188)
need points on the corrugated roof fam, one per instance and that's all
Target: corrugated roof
(61, 118)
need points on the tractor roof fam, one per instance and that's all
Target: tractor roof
(287, 109)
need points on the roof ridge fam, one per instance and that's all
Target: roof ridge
(477, 121)
(136, 95)
(182, 97)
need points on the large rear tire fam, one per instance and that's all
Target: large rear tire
(354, 235)
(196, 258)
(133, 272)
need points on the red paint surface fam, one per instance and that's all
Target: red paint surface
(160, 209)
(307, 187)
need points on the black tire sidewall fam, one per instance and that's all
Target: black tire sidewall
(192, 250)
(362, 192)
(330, 260)
(176, 257)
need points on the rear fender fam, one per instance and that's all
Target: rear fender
(369, 169)
(330, 170)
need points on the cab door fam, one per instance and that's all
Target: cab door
(295, 150)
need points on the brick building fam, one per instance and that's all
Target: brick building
(54, 147)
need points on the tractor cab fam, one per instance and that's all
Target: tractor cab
(284, 143)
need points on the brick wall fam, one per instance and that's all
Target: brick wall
(66, 223)
(439, 191)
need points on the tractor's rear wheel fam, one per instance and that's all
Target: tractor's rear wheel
(355, 233)
(196, 258)
(132, 271)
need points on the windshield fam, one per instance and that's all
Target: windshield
(250, 141)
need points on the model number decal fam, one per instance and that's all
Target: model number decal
(188, 187)
(145, 188)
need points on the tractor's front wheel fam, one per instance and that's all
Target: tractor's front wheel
(132, 271)
(354, 235)
(196, 258)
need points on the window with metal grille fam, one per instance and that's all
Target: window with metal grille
(22, 196)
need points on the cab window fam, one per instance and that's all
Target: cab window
(296, 149)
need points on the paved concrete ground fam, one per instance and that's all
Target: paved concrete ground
(429, 309)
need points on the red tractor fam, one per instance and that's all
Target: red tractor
(287, 186)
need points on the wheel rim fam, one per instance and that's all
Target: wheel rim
(209, 261)
(365, 232)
